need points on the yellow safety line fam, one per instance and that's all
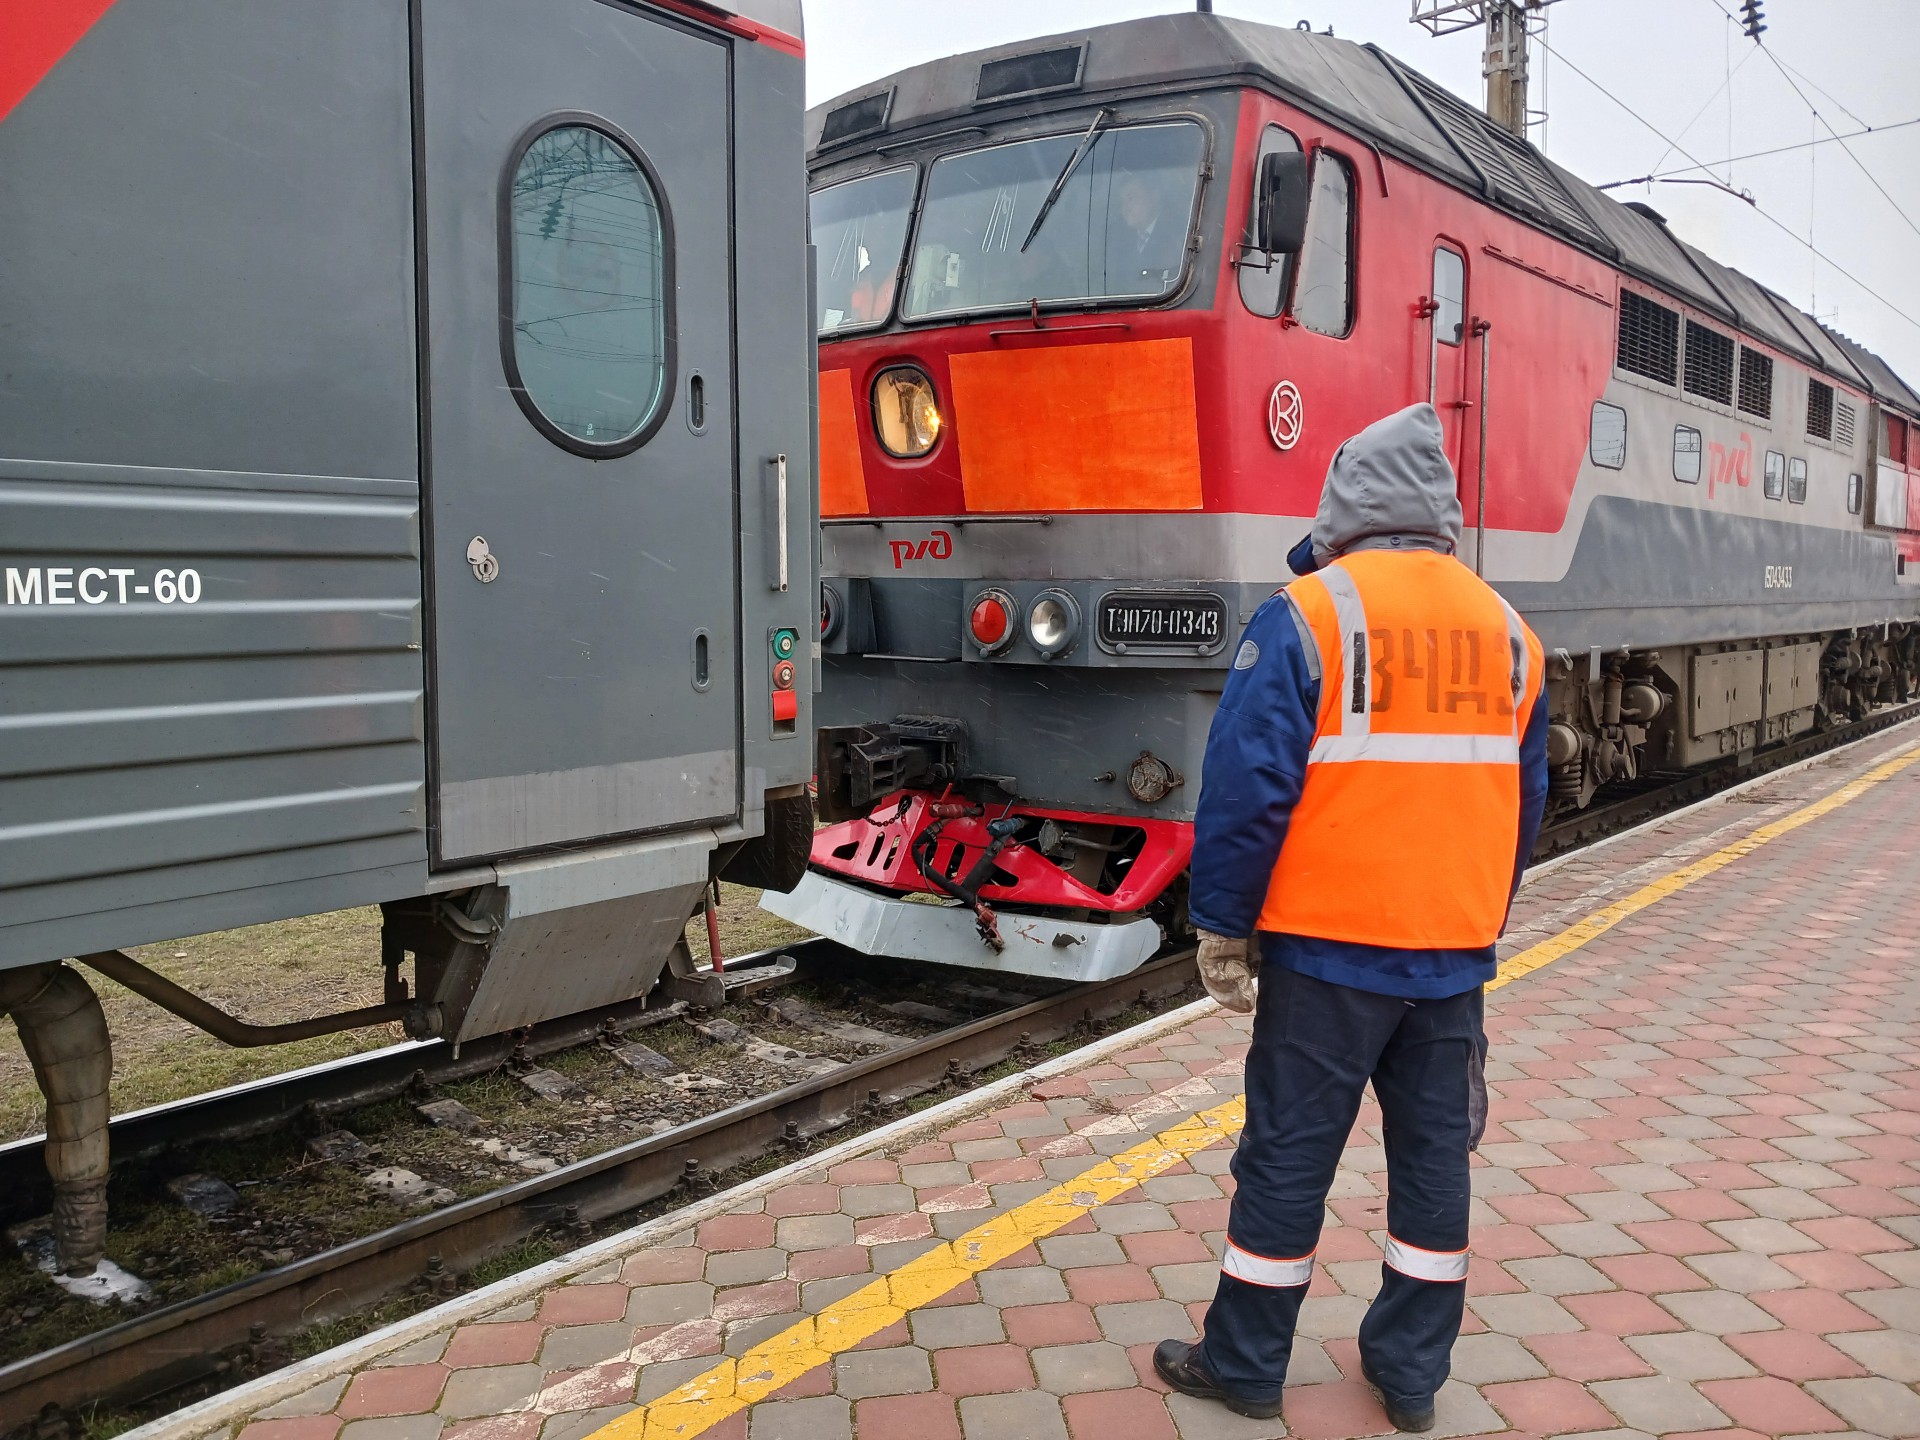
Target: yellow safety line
(732, 1385)
(1601, 921)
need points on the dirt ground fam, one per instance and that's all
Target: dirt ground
(267, 973)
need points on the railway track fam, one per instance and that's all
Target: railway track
(230, 1331)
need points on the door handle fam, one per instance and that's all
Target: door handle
(777, 532)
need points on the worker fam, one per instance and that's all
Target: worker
(1374, 781)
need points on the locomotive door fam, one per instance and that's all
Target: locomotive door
(578, 358)
(1447, 373)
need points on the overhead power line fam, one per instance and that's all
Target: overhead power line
(1761, 154)
(1780, 225)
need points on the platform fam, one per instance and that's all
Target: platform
(1697, 1206)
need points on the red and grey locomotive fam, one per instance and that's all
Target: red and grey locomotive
(1095, 312)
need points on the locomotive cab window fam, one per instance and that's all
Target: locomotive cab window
(1264, 277)
(1323, 298)
(587, 341)
(859, 231)
(1102, 214)
(1607, 438)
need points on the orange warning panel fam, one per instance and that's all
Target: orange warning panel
(1078, 427)
(843, 484)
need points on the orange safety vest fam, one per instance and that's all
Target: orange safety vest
(1405, 828)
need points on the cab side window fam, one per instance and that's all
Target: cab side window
(1323, 298)
(1264, 277)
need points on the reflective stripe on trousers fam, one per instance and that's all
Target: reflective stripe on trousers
(1262, 1270)
(1417, 1264)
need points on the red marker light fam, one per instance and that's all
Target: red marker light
(990, 622)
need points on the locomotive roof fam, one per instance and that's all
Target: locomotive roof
(1368, 92)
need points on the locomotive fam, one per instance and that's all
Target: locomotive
(1095, 312)
(392, 507)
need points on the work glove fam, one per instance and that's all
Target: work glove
(1227, 971)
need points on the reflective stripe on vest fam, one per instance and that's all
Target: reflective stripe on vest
(1261, 1270)
(1438, 1265)
(1403, 834)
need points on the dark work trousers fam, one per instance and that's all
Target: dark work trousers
(1315, 1047)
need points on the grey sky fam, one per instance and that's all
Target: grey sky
(1664, 58)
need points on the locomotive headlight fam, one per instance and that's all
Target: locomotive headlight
(1053, 623)
(906, 412)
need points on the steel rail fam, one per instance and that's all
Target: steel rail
(258, 1107)
(185, 1342)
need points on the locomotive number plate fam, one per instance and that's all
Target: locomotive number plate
(1189, 622)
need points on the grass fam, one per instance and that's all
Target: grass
(268, 973)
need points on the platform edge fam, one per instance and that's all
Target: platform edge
(243, 1402)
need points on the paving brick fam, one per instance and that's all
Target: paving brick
(1588, 1355)
(300, 1427)
(397, 1427)
(1547, 1407)
(1875, 1404)
(809, 1199)
(1558, 1275)
(1069, 1369)
(1692, 1356)
(489, 1390)
(493, 1344)
(1659, 1405)
(1490, 1358)
(1771, 1405)
(1817, 1311)
(957, 1325)
(902, 1370)
(406, 1390)
(820, 1417)
(1620, 1312)
(1522, 1315)
(573, 1347)
(319, 1399)
(1136, 1414)
(910, 1417)
(1744, 1273)
(1797, 1355)
(1136, 1321)
(1032, 1415)
(736, 1232)
(1031, 1326)
(1210, 1420)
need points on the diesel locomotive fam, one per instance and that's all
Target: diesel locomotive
(406, 498)
(1096, 310)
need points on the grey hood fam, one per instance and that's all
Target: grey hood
(1390, 486)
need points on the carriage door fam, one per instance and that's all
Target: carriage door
(578, 357)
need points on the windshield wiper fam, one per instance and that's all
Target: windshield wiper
(1066, 174)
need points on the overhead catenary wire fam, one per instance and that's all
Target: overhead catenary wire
(1758, 209)
(1762, 154)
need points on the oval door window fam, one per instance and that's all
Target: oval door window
(589, 272)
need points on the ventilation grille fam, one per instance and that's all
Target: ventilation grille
(1030, 74)
(1709, 364)
(1843, 418)
(1820, 409)
(1519, 175)
(1756, 383)
(1649, 338)
(864, 116)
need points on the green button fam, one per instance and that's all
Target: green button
(785, 642)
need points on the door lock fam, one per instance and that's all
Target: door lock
(486, 566)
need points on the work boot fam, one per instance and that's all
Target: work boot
(1178, 1363)
(1401, 1417)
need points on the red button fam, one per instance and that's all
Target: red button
(786, 705)
(990, 621)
